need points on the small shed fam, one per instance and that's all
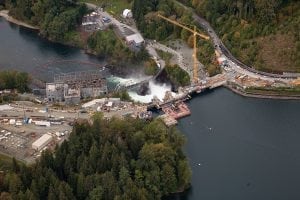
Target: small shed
(127, 13)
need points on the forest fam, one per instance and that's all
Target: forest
(14, 80)
(107, 159)
(262, 33)
(57, 19)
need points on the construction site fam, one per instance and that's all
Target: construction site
(27, 128)
(22, 124)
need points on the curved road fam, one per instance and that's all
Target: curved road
(223, 49)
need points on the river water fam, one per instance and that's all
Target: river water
(239, 148)
(21, 49)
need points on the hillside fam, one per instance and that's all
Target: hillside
(264, 34)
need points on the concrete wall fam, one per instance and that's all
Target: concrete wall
(56, 94)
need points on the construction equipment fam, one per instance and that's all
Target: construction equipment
(195, 34)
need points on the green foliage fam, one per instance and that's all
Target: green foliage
(166, 56)
(153, 27)
(5, 163)
(117, 159)
(240, 24)
(106, 43)
(123, 95)
(206, 55)
(56, 18)
(274, 91)
(151, 67)
(14, 80)
(178, 76)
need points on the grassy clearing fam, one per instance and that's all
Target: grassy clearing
(114, 7)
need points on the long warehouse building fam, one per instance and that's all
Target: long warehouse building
(42, 142)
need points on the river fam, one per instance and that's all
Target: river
(21, 49)
(239, 148)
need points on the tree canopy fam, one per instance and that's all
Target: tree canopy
(117, 159)
(252, 28)
(14, 80)
(56, 18)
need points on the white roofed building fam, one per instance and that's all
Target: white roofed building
(42, 142)
(127, 13)
(135, 39)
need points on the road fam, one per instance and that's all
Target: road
(234, 63)
(150, 44)
(179, 56)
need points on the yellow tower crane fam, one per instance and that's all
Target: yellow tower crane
(195, 34)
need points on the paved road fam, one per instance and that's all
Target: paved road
(234, 62)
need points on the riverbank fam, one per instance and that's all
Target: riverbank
(5, 14)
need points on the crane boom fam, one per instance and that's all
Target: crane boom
(195, 34)
(182, 26)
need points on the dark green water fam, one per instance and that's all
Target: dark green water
(247, 148)
(239, 148)
(22, 49)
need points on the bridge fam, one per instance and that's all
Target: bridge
(211, 83)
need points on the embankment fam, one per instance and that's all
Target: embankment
(5, 14)
(253, 95)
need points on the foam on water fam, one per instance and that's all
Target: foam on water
(124, 81)
(155, 89)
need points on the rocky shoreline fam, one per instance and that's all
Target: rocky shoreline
(5, 14)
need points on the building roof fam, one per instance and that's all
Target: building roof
(93, 102)
(42, 140)
(5, 107)
(50, 86)
(137, 38)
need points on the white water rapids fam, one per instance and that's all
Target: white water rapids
(155, 89)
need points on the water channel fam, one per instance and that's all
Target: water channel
(239, 148)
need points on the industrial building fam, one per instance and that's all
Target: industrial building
(135, 39)
(71, 87)
(43, 141)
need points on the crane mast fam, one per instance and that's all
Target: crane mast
(195, 34)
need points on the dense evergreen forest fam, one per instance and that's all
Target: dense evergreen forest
(57, 19)
(262, 33)
(117, 159)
